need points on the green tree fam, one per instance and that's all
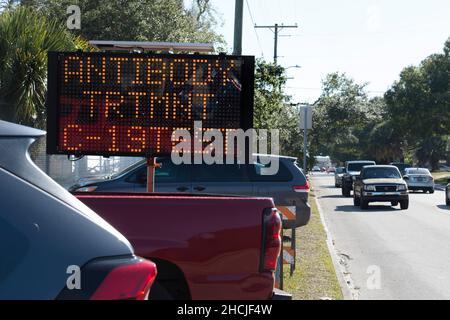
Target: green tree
(138, 20)
(419, 106)
(25, 38)
(272, 107)
(340, 118)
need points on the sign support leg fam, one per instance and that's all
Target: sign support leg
(151, 166)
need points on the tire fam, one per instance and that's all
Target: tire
(364, 204)
(394, 203)
(159, 292)
(345, 191)
(447, 201)
(404, 204)
(431, 191)
(356, 201)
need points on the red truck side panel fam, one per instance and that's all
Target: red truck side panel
(215, 241)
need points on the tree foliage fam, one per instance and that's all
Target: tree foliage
(411, 121)
(272, 107)
(419, 106)
(138, 20)
(25, 38)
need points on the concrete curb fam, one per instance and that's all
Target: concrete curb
(339, 269)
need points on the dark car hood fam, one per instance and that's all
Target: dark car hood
(84, 182)
(90, 180)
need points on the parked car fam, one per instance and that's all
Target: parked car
(380, 184)
(205, 247)
(352, 170)
(338, 176)
(316, 169)
(47, 235)
(401, 166)
(331, 170)
(419, 179)
(288, 187)
(447, 193)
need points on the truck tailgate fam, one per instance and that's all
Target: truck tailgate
(216, 241)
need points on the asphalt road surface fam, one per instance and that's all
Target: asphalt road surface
(390, 253)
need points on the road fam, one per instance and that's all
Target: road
(390, 253)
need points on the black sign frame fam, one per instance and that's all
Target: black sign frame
(53, 94)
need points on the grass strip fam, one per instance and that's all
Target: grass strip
(314, 277)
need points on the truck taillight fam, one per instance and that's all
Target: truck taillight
(127, 282)
(271, 240)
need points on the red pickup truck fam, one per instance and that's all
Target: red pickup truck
(205, 247)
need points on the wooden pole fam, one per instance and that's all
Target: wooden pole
(151, 166)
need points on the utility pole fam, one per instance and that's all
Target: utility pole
(238, 14)
(276, 28)
(305, 138)
(305, 121)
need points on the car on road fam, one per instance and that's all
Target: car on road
(338, 176)
(352, 170)
(419, 179)
(49, 239)
(447, 193)
(401, 166)
(316, 169)
(380, 184)
(331, 170)
(288, 187)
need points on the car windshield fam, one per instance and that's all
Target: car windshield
(375, 173)
(418, 171)
(358, 165)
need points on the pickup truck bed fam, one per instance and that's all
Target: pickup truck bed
(205, 247)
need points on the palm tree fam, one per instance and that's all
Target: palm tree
(25, 38)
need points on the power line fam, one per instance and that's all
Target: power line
(253, 23)
(319, 89)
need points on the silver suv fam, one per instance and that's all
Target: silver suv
(288, 187)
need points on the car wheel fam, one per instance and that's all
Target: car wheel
(159, 292)
(356, 201)
(394, 203)
(364, 204)
(404, 204)
(431, 190)
(447, 201)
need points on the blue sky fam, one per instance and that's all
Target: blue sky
(370, 40)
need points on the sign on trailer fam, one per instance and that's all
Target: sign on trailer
(103, 103)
